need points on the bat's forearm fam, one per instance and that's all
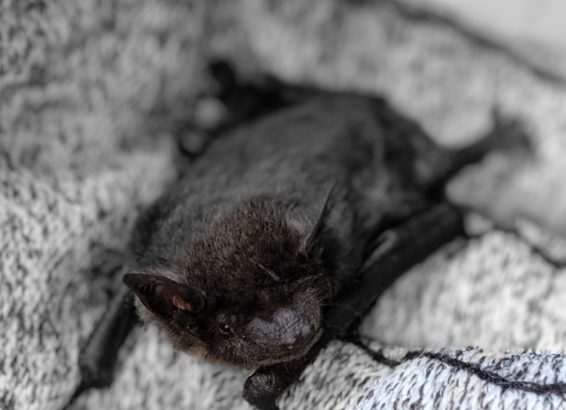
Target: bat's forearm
(402, 248)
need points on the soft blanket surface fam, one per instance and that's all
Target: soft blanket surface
(90, 92)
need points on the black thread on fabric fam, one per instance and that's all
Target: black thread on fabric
(471, 368)
(376, 355)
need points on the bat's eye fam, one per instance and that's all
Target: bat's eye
(225, 329)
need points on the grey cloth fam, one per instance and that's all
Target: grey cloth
(89, 92)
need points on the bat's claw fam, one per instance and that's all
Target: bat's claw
(383, 245)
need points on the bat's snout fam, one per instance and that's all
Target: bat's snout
(295, 329)
(290, 328)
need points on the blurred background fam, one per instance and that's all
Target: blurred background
(522, 20)
(526, 24)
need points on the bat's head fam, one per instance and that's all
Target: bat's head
(249, 292)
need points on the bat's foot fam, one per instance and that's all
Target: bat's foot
(508, 135)
(231, 101)
(209, 114)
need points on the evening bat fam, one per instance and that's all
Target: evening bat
(239, 260)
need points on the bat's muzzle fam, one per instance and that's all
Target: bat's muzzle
(291, 329)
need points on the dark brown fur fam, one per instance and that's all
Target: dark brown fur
(238, 259)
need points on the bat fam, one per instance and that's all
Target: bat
(305, 198)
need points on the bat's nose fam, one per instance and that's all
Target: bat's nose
(296, 329)
(287, 329)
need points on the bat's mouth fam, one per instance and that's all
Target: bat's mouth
(295, 353)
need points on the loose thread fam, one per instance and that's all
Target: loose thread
(472, 368)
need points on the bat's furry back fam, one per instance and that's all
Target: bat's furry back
(237, 260)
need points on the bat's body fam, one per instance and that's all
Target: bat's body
(272, 220)
(238, 260)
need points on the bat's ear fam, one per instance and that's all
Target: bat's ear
(163, 296)
(319, 225)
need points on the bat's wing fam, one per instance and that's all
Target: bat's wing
(401, 248)
(98, 358)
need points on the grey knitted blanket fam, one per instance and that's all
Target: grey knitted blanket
(89, 94)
